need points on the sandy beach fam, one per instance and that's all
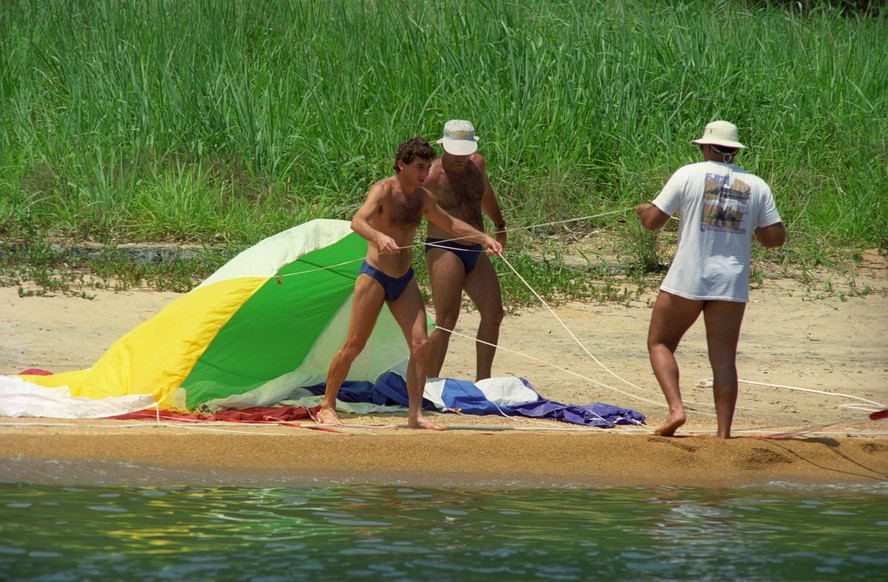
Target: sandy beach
(813, 367)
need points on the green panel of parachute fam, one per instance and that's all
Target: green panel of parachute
(272, 333)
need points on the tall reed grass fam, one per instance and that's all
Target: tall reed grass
(198, 120)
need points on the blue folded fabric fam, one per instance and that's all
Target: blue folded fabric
(596, 414)
(468, 398)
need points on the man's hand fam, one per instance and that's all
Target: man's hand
(771, 236)
(651, 217)
(387, 245)
(501, 237)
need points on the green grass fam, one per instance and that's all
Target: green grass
(220, 123)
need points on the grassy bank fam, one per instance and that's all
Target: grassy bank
(220, 123)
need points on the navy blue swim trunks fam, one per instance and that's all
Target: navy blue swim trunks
(392, 286)
(467, 254)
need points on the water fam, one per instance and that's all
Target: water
(58, 533)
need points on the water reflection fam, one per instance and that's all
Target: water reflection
(411, 533)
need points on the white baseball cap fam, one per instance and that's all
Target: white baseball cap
(720, 133)
(459, 138)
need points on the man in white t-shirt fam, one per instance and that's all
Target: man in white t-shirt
(722, 208)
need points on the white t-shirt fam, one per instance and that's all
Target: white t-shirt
(720, 207)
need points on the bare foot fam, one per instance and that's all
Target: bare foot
(671, 425)
(327, 416)
(424, 423)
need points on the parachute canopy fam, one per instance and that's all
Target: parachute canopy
(261, 331)
(268, 321)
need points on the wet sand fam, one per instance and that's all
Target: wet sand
(139, 453)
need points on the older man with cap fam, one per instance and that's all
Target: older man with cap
(458, 181)
(722, 208)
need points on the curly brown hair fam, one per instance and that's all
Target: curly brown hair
(415, 147)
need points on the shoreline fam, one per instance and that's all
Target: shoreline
(130, 453)
(833, 350)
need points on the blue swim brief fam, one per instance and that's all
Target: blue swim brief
(467, 254)
(392, 286)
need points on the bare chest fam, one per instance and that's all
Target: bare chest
(402, 211)
(455, 191)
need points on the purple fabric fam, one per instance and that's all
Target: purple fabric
(596, 414)
(469, 399)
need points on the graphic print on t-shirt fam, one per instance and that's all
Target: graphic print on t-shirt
(724, 204)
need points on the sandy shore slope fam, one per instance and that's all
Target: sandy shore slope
(813, 369)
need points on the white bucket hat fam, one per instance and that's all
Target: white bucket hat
(720, 133)
(459, 138)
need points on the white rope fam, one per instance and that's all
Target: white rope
(571, 333)
(577, 340)
(455, 239)
(327, 268)
(589, 217)
(861, 407)
(795, 322)
(515, 272)
(882, 406)
(557, 367)
(515, 228)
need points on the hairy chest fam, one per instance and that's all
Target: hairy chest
(402, 211)
(456, 190)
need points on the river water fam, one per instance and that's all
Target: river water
(339, 532)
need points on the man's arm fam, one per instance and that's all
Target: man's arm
(458, 228)
(651, 217)
(771, 236)
(361, 221)
(490, 205)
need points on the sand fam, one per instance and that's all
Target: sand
(813, 360)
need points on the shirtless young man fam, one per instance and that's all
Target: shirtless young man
(388, 219)
(458, 181)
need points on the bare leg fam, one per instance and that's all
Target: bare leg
(723, 320)
(483, 288)
(368, 300)
(409, 312)
(672, 316)
(446, 275)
